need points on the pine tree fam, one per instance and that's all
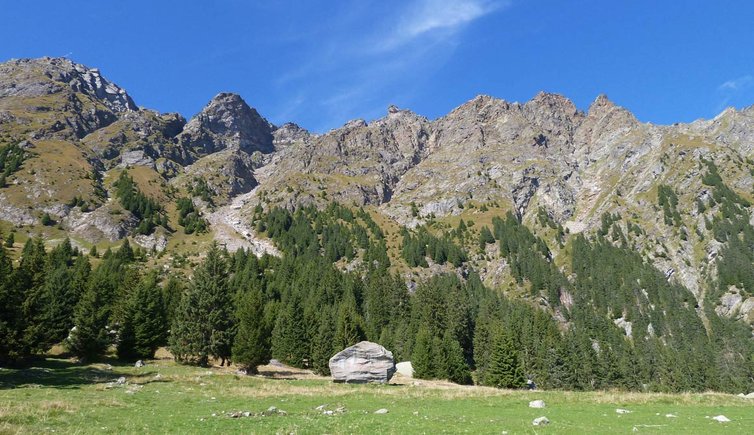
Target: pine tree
(203, 324)
(290, 342)
(421, 358)
(251, 346)
(47, 220)
(144, 326)
(322, 346)
(90, 338)
(171, 296)
(10, 311)
(55, 320)
(93, 251)
(504, 370)
(349, 328)
(456, 368)
(10, 240)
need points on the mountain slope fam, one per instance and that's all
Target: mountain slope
(669, 193)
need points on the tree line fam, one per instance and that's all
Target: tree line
(333, 287)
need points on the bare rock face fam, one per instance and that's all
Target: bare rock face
(45, 76)
(362, 363)
(227, 122)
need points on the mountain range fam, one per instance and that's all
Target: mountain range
(560, 170)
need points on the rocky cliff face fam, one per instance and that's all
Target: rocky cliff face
(484, 158)
(227, 122)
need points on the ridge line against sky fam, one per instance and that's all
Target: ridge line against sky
(320, 63)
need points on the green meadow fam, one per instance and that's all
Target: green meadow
(60, 396)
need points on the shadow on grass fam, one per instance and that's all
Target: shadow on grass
(66, 374)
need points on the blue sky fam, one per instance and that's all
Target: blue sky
(321, 63)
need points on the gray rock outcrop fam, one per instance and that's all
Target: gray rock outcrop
(362, 363)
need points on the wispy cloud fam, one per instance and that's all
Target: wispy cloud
(733, 89)
(738, 84)
(355, 70)
(439, 17)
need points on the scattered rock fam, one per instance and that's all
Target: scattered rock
(361, 363)
(139, 363)
(622, 411)
(537, 404)
(272, 410)
(540, 421)
(121, 380)
(671, 416)
(721, 418)
(381, 411)
(405, 369)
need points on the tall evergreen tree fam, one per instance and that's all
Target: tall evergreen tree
(504, 369)
(203, 324)
(323, 344)
(290, 342)
(89, 337)
(421, 358)
(349, 328)
(251, 346)
(10, 311)
(456, 368)
(144, 326)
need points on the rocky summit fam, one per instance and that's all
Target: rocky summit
(561, 171)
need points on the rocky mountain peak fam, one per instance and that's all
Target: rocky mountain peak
(227, 122)
(289, 133)
(44, 76)
(601, 105)
(354, 123)
(604, 111)
(546, 104)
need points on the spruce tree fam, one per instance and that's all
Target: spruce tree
(89, 337)
(10, 311)
(251, 346)
(171, 296)
(30, 279)
(349, 328)
(504, 370)
(456, 368)
(322, 347)
(421, 358)
(290, 343)
(144, 324)
(10, 240)
(203, 324)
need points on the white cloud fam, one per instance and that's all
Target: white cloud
(353, 69)
(438, 17)
(737, 84)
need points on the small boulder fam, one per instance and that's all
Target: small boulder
(540, 421)
(361, 363)
(537, 404)
(721, 418)
(139, 364)
(749, 396)
(622, 411)
(405, 369)
(121, 380)
(381, 411)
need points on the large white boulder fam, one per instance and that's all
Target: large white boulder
(361, 363)
(405, 369)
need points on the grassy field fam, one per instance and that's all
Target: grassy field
(62, 397)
